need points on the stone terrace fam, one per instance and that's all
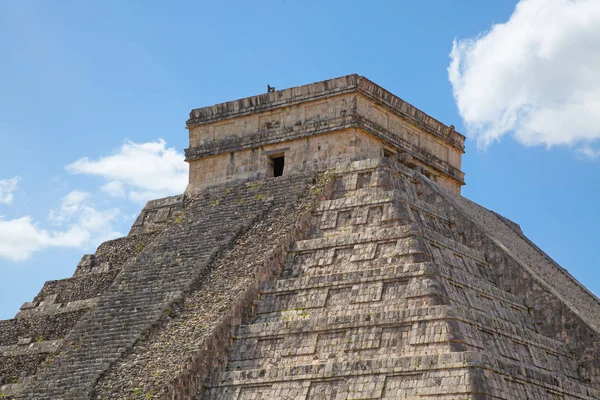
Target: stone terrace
(388, 299)
(377, 285)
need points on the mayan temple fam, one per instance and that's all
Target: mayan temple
(322, 250)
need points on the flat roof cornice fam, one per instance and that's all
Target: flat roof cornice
(324, 89)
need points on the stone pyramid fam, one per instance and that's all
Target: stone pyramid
(322, 250)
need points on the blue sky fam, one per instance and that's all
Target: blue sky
(86, 86)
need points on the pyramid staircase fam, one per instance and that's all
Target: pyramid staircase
(88, 322)
(32, 339)
(391, 289)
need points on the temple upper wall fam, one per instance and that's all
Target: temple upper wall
(314, 127)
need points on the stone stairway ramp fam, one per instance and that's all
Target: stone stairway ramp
(145, 288)
(27, 342)
(30, 341)
(191, 338)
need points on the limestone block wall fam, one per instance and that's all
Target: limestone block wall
(228, 141)
(555, 278)
(311, 153)
(286, 118)
(430, 151)
(562, 308)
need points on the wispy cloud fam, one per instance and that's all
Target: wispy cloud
(589, 152)
(535, 76)
(77, 224)
(7, 189)
(142, 170)
(114, 189)
(139, 171)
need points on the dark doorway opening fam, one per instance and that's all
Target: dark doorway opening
(389, 154)
(278, 164)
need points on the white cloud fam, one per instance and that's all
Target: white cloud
(114, 189)
(141, 171)
(145, 170)
(535, 75)
(74, 199)
(7, 188)
(78, 223)
(589, 152)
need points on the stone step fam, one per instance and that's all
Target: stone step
(342, 301)
(376, 208)
(28, 346)
(31, 310)
(359, 198)
(377, 269)
(417, 338)
(382, 270)
(379, 196)
(319, 369)
(57, 294)
(38, 327)
(428, 376)
(371, 315)
(417, 291)
(450, 244)
(367, 235)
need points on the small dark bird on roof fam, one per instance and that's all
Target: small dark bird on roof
(270, 88)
